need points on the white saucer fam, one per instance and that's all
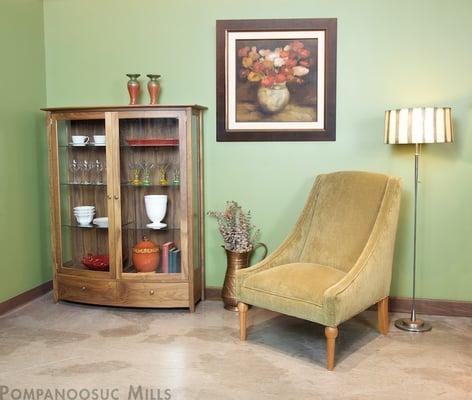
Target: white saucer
(97, 144)
(156, 225)
(78, 144)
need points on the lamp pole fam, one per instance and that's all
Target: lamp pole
(413, 324)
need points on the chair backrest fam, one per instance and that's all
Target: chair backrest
(346, 207)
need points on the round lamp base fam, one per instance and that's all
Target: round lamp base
(418, 325)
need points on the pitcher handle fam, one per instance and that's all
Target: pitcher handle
(265, 249)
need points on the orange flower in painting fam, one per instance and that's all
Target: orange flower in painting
(242, 52)
(297, 45)
(254, 76)
(304, 53)
(280, 78)
(258, 67)
(268, 81)
(247, 62)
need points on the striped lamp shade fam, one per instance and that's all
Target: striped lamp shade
(418, 125)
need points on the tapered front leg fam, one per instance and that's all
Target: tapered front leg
(382, 315)
(242, 308)
(331, 333)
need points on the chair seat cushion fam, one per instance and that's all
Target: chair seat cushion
(298, 281)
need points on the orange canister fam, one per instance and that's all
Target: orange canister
(146, 256)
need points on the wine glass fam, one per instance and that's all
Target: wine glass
(98, 166)
(146, 168)
(87, 167)
(135, 169)
(162, 174)
(74, 168)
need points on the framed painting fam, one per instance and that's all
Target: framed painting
(276, 79)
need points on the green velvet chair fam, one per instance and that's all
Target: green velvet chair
(336, 262)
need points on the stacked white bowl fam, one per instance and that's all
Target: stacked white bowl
(84, 214)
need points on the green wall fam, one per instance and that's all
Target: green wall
(24, 234)
(390, 54)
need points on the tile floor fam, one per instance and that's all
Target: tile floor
(68, 346)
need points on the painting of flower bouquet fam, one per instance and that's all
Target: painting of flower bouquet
(276, 79)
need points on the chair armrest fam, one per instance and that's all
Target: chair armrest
(369, 279)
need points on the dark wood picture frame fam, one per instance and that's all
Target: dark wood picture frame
(266, 32)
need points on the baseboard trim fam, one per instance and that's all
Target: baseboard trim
(449, 308)
(26, 297)
(213, 293)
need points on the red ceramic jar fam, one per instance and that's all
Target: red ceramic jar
(146, 256)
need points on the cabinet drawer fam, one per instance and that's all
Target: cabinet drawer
(140, 294)
(85, 290)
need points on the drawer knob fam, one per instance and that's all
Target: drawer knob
(116, 197)
(109, 196)
(151, 292)
(83, 288)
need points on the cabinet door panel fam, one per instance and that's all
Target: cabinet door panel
(80, 195)
(151, 177)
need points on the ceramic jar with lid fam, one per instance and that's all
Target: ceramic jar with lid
(146, 256)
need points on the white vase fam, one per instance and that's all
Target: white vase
(274, 99)
(156, 207)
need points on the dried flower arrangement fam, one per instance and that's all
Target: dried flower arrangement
(234, 224)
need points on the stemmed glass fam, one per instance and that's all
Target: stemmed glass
(146, 168)
(74, 168)
(162, 174)
(98, 166)
(176, 180)
(135, 172)
(87, 167)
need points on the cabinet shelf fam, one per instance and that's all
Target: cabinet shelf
(88, 146)
(91, 226)
(170, 185)
(84, 184)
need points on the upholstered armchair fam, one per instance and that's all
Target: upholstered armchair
(336, 262)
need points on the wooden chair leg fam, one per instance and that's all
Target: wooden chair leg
(331, 333)
(242, 308)
(382, 315)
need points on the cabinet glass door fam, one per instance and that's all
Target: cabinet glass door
(83, 204)
(152, 177)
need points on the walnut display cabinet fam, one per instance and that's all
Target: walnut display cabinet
(160, 144)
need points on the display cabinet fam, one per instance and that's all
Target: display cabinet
(107, 166)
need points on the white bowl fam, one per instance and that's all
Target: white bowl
(156, 206)
(80, 208)
(84, 220)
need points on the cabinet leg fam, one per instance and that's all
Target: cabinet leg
(242, 308)
(331, 333)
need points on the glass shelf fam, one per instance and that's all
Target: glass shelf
(91, 226)
(88, 146)
(127, 184)
(145, 228)
(83, 184)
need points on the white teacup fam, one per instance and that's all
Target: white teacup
(99, 139)
(79, 139)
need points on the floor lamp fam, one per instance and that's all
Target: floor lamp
(417, 126)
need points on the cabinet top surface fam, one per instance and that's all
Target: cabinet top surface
(140, 107)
